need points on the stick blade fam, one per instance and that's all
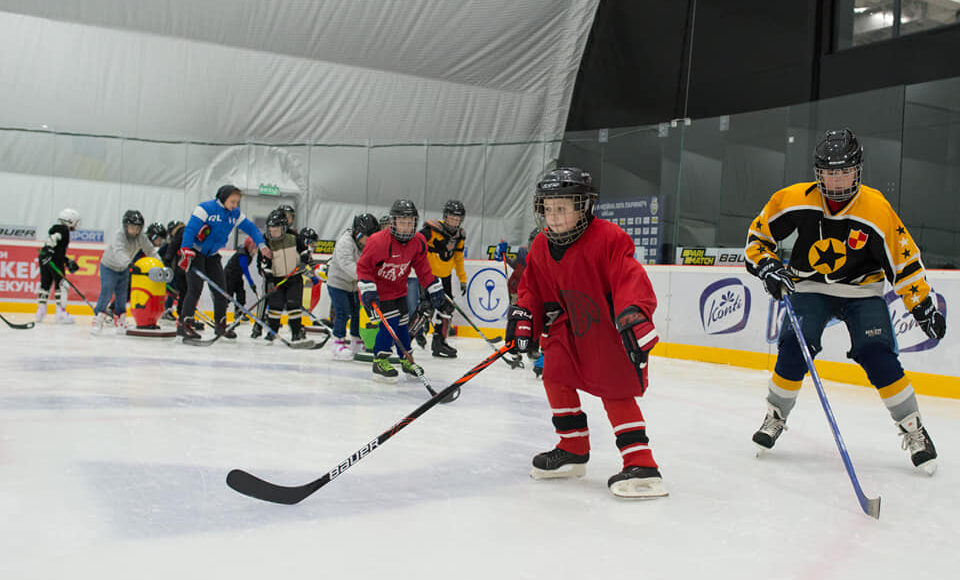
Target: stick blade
(495, 339)
(871, 507)
(252, 486)
(198, 341)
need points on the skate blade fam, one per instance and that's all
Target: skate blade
(569, 470)
(930, 467)
(385, 380)
(639, 488)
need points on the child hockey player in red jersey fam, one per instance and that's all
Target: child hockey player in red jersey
(590, 299)
(54, 263)
(382, 272)
(848, 241)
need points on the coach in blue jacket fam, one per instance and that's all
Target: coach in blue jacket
(206, 233)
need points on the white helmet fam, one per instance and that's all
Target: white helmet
(69, 217)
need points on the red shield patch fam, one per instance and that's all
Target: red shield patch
(857, 239)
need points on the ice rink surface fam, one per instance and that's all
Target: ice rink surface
(113, 453)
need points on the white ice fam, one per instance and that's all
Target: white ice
(113, 453)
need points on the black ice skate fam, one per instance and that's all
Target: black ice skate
(421, 340)
(256, 331)
(773, 425)
(918, 443)
(441, 349)
(383, 371)
(558, 463)
(636, 482)
(298, 334)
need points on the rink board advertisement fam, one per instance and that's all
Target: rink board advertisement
(710, 313)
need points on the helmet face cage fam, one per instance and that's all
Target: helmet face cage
(277, 219)
(453, 208)
(570, 183)
(403, 208)
(838, 150)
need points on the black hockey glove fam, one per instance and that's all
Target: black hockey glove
(439, 299)
(421, 318)
(930, 319)
(519, 329)
(463, 288)
(639, 336)
(72, 266)
(368, 295)
(776, 280)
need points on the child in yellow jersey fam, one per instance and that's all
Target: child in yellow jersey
(849, 240)
(445, 241)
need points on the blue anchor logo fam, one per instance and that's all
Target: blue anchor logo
(490, 305)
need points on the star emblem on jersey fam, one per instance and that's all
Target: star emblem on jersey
(857, 239)
(827, 256)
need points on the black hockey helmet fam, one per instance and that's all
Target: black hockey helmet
(156, 230)
(533, 234)
(277, 218)
(226, 191)
(384, 221)
(132, 217)
(309, 236)
(364, 224)
(403, 208)
(172, 225)
(566, 182)
(289, 211)
(838, 150)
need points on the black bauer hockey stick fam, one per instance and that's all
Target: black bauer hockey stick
(870, 506)
(514, 362)
(75, 289)
(299, 345)
(237, 321)
(453, 395)
(26, 326)
(251, 485)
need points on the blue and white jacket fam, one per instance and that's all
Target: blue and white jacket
(212, 213)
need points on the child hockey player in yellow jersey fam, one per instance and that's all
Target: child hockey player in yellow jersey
(445, 241)
(849, 240)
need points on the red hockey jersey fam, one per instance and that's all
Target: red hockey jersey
(595, 280)
(387, 262)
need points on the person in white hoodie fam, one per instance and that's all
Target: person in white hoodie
(342, 285)
(115, 270)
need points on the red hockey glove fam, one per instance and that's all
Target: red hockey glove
(186, 256)
(639, 336)
(519, 329)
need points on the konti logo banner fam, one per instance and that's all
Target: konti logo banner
(725, 306)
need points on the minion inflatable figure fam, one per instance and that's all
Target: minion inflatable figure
(148, 290)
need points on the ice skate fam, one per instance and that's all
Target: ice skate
(918, 443)
(356, 345)
(636, 482)
(41, 313)
(63, 317)
(185, 329)
(297, 334)
(421, 340)
(411, 368)
(773, 425)
(222, 330)
(120, 322)
(342, 350)
(441, 349)
(98, 322)
(256, 331)
(558, 463)
(383, 371)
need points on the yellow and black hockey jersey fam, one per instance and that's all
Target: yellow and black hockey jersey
(444, 250)
(848, 254)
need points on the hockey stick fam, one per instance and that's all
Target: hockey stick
(406, 354)
(75, 289)
(514, 362)
(299, 345)
(251, 485)
(25, 326)
(870, 506)
(236, 322)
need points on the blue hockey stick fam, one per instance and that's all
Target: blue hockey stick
(870, 506)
